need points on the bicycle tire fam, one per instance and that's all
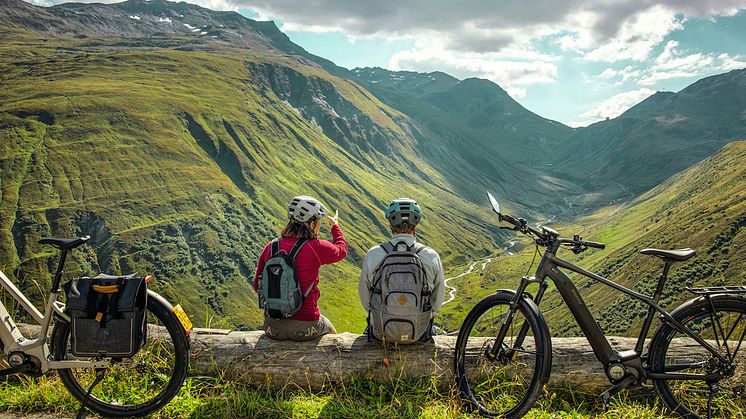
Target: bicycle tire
(725, 316)
(510, 394)
(143, 380)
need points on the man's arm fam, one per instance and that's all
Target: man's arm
(363, 286)
(439, 286)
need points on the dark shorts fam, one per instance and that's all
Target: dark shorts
(297, 330)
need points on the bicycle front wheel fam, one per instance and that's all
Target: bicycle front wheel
(721, 322)
(133, 386)
(505, 381)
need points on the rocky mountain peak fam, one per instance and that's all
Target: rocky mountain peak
(147, 19)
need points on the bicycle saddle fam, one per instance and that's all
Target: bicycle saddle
(64, 244)
(678, 255)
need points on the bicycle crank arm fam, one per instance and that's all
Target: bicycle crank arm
(16, 370)
(608, 394)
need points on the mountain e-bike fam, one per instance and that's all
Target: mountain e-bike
(695, 359)
(110, 386)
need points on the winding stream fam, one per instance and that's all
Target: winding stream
(452, 290)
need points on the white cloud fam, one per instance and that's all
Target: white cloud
(507, 72)
(516, 92)
(729, 63)
(616, 105)
(609, 73)
(674, 63)
(637, 36)
(580, 124)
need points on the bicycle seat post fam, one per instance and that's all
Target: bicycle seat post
(60, 269)
(651, 310)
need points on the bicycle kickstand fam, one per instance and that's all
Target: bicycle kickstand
(100, 372)
(714, 387)
(613, 391)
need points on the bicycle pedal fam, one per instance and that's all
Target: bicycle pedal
(613, 391)
(605, 401)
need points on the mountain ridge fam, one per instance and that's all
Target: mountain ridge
(622, 157)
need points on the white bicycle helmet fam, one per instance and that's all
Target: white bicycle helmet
(304, 208)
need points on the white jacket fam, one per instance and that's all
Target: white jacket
(430, 261)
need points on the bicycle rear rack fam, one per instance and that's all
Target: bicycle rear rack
(717, 290)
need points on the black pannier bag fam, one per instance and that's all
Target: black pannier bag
(107, 315)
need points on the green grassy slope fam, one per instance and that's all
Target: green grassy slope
(180, 163)
(703, 207)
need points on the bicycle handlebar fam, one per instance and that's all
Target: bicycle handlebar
(522, 226)
(595, 245)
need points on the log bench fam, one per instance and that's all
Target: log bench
(251, 357)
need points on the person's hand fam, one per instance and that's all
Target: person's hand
(333, 219)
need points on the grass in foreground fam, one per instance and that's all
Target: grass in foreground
(204, 397)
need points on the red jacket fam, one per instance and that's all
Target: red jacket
(307, 263)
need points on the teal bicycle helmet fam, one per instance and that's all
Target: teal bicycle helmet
(403, 210)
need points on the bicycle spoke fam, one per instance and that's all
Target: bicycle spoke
(720, 328)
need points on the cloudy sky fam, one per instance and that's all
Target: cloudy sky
(575, 61)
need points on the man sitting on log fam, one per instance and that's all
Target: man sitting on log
(402, 281)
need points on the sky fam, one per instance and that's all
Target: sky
(574, 61)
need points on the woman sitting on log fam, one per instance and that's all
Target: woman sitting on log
(287, 273)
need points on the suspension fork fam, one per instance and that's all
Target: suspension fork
(525, 282)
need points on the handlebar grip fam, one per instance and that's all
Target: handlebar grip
(595, 245)
(510, 219)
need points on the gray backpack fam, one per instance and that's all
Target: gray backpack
(400, 307)
(280, 294)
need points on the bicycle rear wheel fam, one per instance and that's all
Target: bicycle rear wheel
(507, 384)
(722, 324)
(133, 386)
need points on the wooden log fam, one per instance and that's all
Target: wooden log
(251, 357)
(333, 360)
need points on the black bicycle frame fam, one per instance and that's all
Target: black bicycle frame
(549, 268)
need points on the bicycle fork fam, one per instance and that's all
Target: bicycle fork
(509, 353)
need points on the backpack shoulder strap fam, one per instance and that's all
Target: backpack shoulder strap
(418, 247)
(274, 248)
(296, 248)
(294, 252)
(387, 247)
